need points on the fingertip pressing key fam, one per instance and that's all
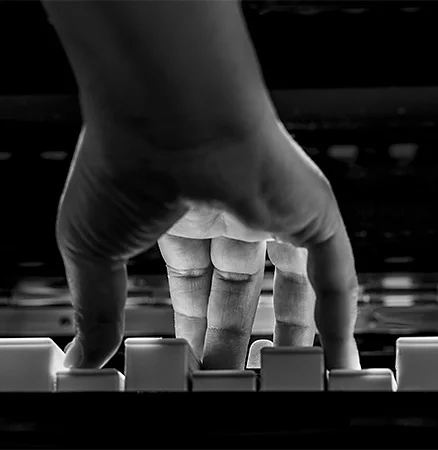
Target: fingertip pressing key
(74, 354)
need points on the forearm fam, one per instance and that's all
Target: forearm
(184, 72)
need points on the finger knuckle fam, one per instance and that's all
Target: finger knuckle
(230, 256)
(234, 277)
(287, 258)
(194, 272)
(295, 323)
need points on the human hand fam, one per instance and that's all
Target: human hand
(95, 248)
(161, 136)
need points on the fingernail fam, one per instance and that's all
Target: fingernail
(68, 346)
(74, 354)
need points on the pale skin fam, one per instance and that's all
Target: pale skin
(215, 267)
(176, 113)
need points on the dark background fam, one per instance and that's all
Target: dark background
(310, 53)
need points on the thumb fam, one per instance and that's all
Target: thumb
(90, 353)
(74, 354)
(108, 213)
(98, 297)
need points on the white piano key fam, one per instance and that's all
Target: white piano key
(254, 355)
(292, 369)
(416, 363)
(155, 364)
(224, 380)
(95, 380)
(29, 364)
(361, 380)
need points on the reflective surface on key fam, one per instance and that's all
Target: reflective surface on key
(361, 380)
(94, 380)
(224, 380)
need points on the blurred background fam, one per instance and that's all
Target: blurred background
(356, 85)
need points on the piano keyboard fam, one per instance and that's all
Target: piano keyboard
(169, 365)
